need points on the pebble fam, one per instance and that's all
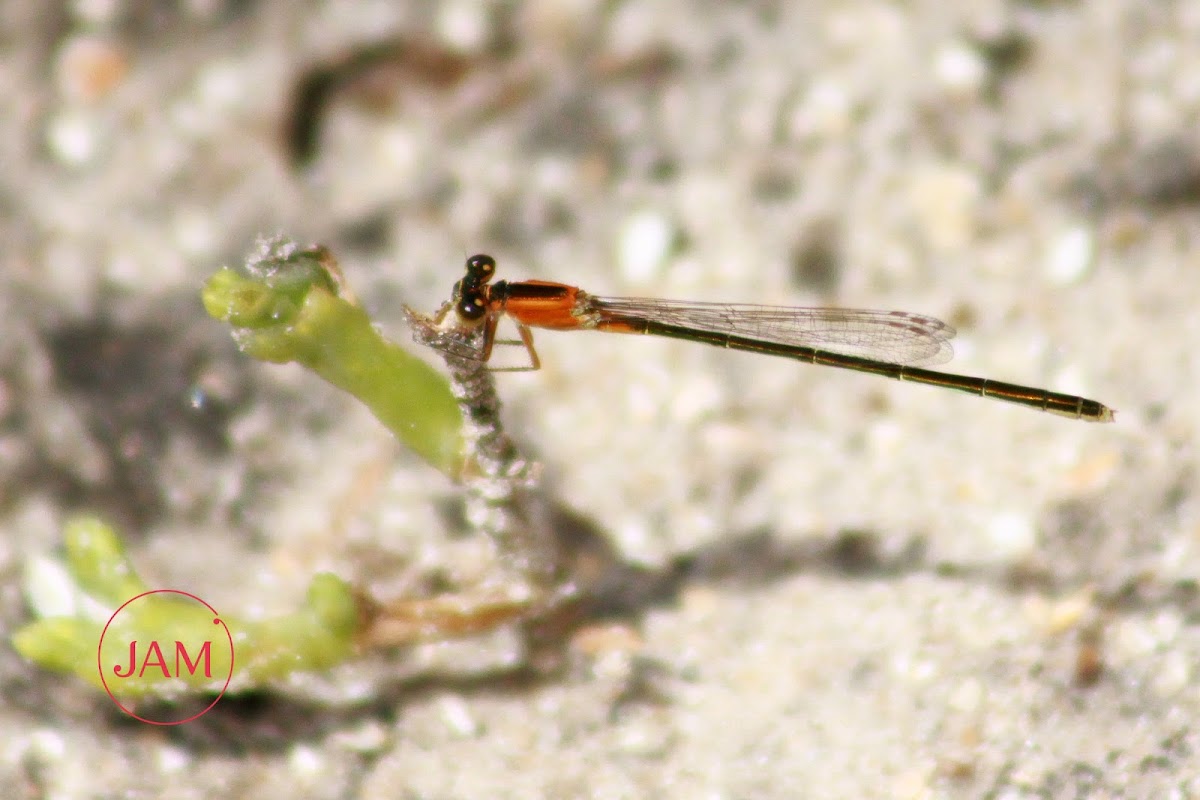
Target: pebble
(642, 247)
(1072, 253)
(71, 139)
(88, 68)
(960, 69)
(1012, 535)
(944, 200)
(463, 25)
(457, 716)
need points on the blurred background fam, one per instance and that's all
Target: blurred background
(893, 591)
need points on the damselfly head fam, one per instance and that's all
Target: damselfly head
(472, 305)
(480, 269)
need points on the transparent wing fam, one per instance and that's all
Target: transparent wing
(898, 337)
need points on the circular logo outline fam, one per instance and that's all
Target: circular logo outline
(216, 621)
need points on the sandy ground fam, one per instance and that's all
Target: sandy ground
(888, 591)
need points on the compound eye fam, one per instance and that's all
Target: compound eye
(481, 267)
(472, 306)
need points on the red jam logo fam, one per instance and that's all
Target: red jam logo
(124, 660)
